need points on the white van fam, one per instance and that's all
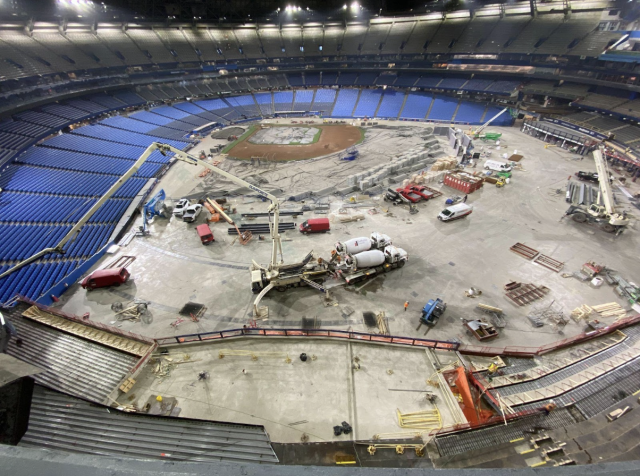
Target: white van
(455, 211)
(497, 166)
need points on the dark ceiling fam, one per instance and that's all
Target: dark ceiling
(227, 10)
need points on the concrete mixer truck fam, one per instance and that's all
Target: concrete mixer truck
(366, 264)
(377, 241)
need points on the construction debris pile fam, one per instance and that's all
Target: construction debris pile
(463, 181)
(552, 313)
(444, 163)
(397, 170)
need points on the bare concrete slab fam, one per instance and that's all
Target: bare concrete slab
(445, 259)
(297, 398)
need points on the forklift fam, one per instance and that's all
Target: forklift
(432, 311)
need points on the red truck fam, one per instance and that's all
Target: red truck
(425, 192)
(205, 234)
(105, 277)
(409, 194)
(315, 225)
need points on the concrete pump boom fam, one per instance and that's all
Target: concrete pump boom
(185, 157)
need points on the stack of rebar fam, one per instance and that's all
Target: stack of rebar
(266, 214)
(261, 228)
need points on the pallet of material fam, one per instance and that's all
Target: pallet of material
(524, 251)
(612, 309)
(582, 312)
(491, 180)
(486, 307)
(527, 293)
(120, 262)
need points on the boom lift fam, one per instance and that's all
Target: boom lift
(476, 133)
(154, 207)
(263, 279)
(605, 215)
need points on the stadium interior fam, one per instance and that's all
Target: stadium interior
(88, 88)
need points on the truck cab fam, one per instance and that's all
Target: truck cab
(394, 255)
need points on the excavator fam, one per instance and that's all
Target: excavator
(604, 216)
(276, 274)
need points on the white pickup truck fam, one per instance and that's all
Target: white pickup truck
(497, 166)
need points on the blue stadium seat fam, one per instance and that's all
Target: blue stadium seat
(345, 102)
(264, 101)
(303, 100)
(416, 106)
(391, 104)
(443, 109)
(368, 103)
(283, 100)
(470, 112)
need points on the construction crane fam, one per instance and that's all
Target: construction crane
(264, 278)
(604, 215)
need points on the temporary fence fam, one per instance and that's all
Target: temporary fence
(315, 333)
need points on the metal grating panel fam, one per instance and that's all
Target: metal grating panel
(73, 365)
(547, 380)
(65, 423)
(500, 434)
(599, 394)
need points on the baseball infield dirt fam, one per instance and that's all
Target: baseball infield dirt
(333, 139)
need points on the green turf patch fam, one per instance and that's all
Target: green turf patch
(316, 137)
(361, 136)
(246, 134)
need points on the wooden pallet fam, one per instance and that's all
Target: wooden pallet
(524, 251)
(120, 262)
(548, 262)
(527, 293)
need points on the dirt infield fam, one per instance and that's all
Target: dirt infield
(332, 139)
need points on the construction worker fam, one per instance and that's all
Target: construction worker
(406, 305)
(6, 331)
(464, 200)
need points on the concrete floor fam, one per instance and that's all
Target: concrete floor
(292, 399)
(172, 267)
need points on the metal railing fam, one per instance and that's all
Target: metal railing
(315, 333)
(513, 351)
(518, 351)
(88, 322)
